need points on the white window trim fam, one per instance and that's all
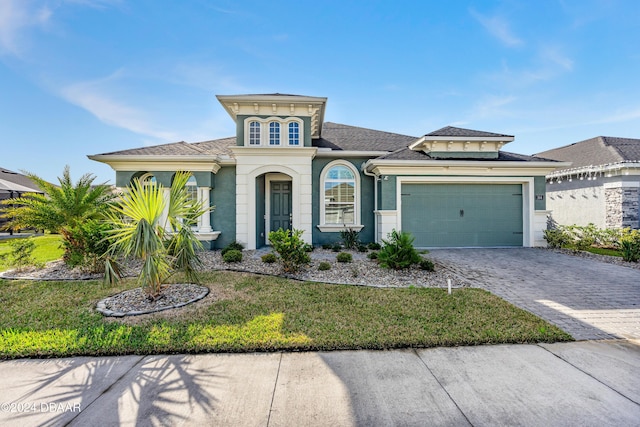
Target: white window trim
(265, 134)
(328, 228)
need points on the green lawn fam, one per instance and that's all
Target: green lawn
(48, 248)
(246, 312)
(605, 251)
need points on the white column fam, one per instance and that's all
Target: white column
(205, 219)
(166, 195)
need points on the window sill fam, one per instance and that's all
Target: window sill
(335, 228)
(206, 236)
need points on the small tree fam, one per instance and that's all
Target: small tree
(163, 246)
(62, 208)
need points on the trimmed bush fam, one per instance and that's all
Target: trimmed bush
(269, 258)
(327, 246)
(362, 248)
(291, 249)
(427, 265)
(398, 251)
(232, 255)
(372, 255)
(323, 266)
(630, 245)
(344, 257)
(233, 246)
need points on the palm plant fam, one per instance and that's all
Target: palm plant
(62, 208)
(140, 230)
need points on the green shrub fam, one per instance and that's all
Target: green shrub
(87, 245)
(290, 247)
(362, 248)
(337, 247)
(269, 258)
(374, 246)
(22, 253)
(233, 246)
(308, 247)
(323, 266)
(350, 238)
(344, 257)
(427, 265)
(232, 255)
(398, 252)
(372, 255)
(327, 246)
(630, 245)
(556, 238)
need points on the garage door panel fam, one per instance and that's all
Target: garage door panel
(450, 215)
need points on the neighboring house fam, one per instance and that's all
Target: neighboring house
(286, 167)
(13, 184)
(601, 187)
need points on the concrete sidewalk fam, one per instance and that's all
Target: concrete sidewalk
(581, 383)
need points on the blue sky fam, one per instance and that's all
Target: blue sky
(81, 77)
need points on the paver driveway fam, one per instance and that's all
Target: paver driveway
(588, 299)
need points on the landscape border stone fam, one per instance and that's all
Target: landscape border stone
(101, 306)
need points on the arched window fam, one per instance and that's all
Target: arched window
(192, 188)
(294, 133)
(254, 133)
(274, 133)
(148, 179)
(340, 195)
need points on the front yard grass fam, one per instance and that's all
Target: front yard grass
(48, 248)
(246, 312)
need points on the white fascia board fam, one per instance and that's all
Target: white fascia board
(426, 138)
(274, 151)
(199, 163)
(632, 167)
(428, 167)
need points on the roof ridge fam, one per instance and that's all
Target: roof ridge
(369, 129)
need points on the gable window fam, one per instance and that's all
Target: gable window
(254, 133)
(274, 133)
(294, 133)
(339, 197)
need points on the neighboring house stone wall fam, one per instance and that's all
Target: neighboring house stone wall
(577, 202)
(622, 205)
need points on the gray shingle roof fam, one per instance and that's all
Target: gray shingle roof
(353, 138)
(17, 178)
(454, 131)
(407, 154)
(600, 150)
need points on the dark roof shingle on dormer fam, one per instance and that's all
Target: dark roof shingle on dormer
(461, 132)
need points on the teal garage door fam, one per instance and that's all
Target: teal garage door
(463, 215)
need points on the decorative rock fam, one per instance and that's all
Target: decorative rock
(134, 302)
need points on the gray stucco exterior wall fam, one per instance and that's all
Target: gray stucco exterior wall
(223, 197)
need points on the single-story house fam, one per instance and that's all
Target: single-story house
(601, 187)
(287, 167)
(14, 184)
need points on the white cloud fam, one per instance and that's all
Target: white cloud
(499, 28)
(93, 97)
(492, 106)
(19, 17)
(16, 16)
